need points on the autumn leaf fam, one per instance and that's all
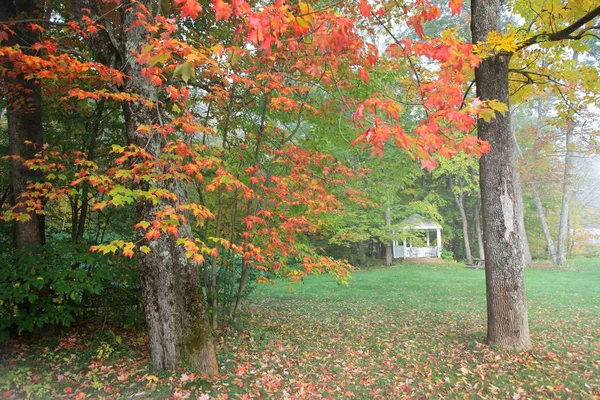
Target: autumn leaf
(430, 164)
(223, 10)
(365, 8)
(189, 8)
(364, 75)
(455, 6)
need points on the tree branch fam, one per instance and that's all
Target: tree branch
(563, 34)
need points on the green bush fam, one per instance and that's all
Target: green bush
(447, 255)
(46, 286)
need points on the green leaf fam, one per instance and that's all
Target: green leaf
(159, 59)
(186, 71)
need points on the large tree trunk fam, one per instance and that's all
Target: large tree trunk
(388, 244)
(505, 285)
(459, 199)
(24, 113)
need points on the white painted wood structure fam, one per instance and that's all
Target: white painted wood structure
(418, 223)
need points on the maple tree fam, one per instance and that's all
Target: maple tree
(162, 157)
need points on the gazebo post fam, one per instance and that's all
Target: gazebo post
(404, 248)
(439, 242)
(427, 234)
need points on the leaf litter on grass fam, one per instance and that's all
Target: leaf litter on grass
(337, 344)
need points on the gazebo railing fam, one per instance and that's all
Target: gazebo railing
(415, 252)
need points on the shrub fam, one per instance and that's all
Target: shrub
(46, 286)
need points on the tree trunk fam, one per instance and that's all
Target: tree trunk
(213, 293)
(24, 114)
(174, 304)
(563, 229)
(505, 285)
(80, 212)
(536, 197)
(458, 198)
(527, 258)
(176, 310)
(388, 247)
(478, 231)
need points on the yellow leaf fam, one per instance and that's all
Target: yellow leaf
(216, 49)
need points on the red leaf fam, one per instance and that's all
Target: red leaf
(364, 75)
(429, 164)
(455, 6)
(365, 8)
(223, 10)
(189, 8)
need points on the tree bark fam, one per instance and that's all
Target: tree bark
(388, 246)
(505, 285)
(459, 199)
(24, 114)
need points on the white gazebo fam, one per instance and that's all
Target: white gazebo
(419, 223)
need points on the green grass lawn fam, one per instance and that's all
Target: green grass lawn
(410, 331)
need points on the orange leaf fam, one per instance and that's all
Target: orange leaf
(455, 6)
(365, 8)
(364, 75)
(222, 9)
(189, 8)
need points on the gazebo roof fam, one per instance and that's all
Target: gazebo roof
(416, 221)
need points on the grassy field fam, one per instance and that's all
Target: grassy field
(410, 331)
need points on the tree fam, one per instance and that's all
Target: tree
(462, 182)
(507, 308)
(508, 325)
(130, 53)
(24, 112)
(175, 307)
